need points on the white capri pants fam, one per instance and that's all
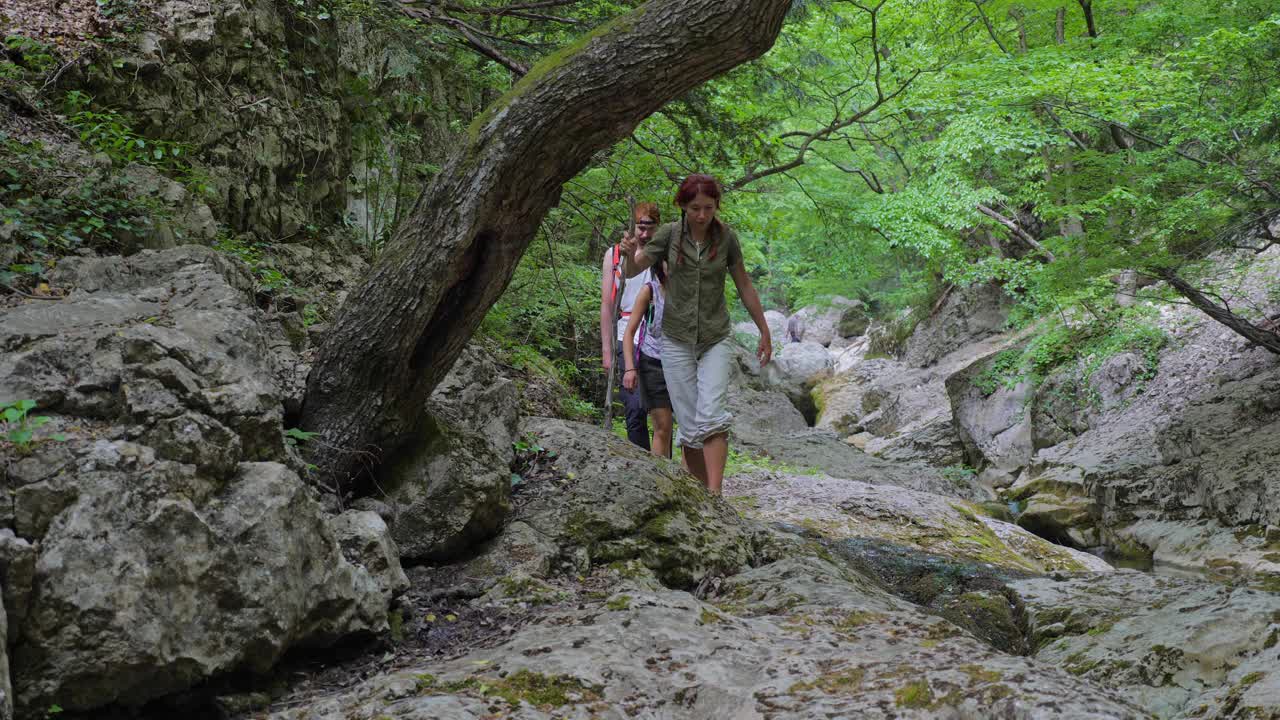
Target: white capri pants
(699, 387)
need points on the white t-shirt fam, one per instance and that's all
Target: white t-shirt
(629, 293)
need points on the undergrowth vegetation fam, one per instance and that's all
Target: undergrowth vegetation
(1082, 346)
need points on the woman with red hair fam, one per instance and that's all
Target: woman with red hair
(700, 251)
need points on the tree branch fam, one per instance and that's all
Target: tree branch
(470, 37)
(1264, 338)
(990, 30)
(1017, 231)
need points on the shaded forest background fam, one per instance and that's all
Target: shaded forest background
(1072, 152)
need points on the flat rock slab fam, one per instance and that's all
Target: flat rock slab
(795, 639)
(839, 509)
(1179, 648)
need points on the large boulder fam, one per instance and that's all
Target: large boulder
(609, 501)
(152, 578)
(761, 416)
(1169, 459)
(993, 420)
(795, 370)
(841, 318)
(892, 411)
(967, 315)
(841, 396)
(776, 321)
(451, 489)
(174, 543)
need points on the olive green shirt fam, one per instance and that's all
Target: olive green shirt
(695, 312)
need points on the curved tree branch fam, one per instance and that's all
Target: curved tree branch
(1017, 231)
(400, 332)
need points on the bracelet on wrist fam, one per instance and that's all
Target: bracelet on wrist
(624, 372)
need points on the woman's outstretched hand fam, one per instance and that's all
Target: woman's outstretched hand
(764, 350)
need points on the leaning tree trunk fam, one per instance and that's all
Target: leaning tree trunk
(400, 332)
(1262, 337)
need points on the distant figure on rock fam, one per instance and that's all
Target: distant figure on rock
(696, 353)
(647, 216)
(643, 357)
(795, 328)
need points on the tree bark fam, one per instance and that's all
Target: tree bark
(1089, 22)
(401, 331)
(1020, 17)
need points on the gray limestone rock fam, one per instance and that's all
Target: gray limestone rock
(966, 316)
(451, 489)
(163, 541)
(760, 417)
(618, 503)
(776, 321)
(448, 492)
(6, 689)
(992, 420)
(840, 509)
(366, 542)
(154, 578)
(1177, 647)
(17, 577)
(793, 640)
(795, 369)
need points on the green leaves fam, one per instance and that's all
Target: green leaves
(294, 436)
(18, 427)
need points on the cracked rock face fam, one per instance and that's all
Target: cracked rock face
(1177, 647)
(165, 540)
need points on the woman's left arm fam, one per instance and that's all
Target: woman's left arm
(751, 301)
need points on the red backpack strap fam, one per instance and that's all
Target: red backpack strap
(617, 272)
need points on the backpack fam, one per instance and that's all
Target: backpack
(649, 314)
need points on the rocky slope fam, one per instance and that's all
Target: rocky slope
(168, 554)
(1171, 463)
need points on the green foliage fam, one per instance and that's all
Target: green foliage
(53, 202)
(295, 436)
(18, 427)
(959, 474)
(47, 214)
(254, 253)
(1084, 344)
(110, 133)
(741, 462)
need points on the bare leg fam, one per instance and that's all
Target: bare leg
(661, 418)
(715, 452)
(693, 457)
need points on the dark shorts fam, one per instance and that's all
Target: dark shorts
(653, 385)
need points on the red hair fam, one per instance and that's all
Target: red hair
(648, 210)
(692, 186)
(698, 183)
